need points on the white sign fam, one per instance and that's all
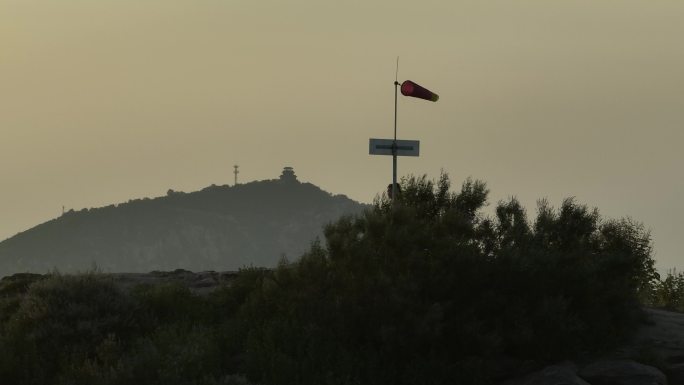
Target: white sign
(385, 147)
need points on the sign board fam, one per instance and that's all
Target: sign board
(384, 147)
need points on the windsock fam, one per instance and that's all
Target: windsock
(409, 88)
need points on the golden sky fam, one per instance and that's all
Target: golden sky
(108, 100)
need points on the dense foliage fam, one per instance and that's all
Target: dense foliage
(432, 290)
(429, 290)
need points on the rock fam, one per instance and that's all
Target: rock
(664, 334)
(622, 372)
(561, 374)
(201, 283)
(675, 374)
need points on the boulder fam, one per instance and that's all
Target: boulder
(622, 372)
(675, 374)
(663, 335)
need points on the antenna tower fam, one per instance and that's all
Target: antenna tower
(236, 172)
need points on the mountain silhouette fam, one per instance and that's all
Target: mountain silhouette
(216, 228)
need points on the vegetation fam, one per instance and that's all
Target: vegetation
(668, 292)
(428, 290)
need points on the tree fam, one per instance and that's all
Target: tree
(431, 290)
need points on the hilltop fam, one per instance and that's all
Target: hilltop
(216, 228)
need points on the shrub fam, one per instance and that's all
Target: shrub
(64, 318)
(432, 286)
(668, 292)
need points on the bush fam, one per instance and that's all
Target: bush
(668, 293)
(83, 330)
(430, 290)
(61, 319)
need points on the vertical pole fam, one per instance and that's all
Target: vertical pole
(394, 146)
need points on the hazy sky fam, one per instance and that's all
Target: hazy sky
(104, 101)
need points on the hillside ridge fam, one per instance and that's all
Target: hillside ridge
(215, 228)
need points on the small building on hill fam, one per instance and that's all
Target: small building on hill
(288, 175)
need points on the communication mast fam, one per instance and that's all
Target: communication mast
(236, 172)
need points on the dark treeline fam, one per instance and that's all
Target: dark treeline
(431, 291)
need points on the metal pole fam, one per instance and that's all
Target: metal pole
(394, 147)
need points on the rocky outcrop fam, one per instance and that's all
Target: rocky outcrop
(622, 372)
(675, 374)
(659, 342)
(199, 283)
(662, 336)
(606, 372)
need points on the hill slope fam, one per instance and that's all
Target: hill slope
(217, 228)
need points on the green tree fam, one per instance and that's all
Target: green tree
(428, 289)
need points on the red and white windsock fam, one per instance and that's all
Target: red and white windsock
(409, 88)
